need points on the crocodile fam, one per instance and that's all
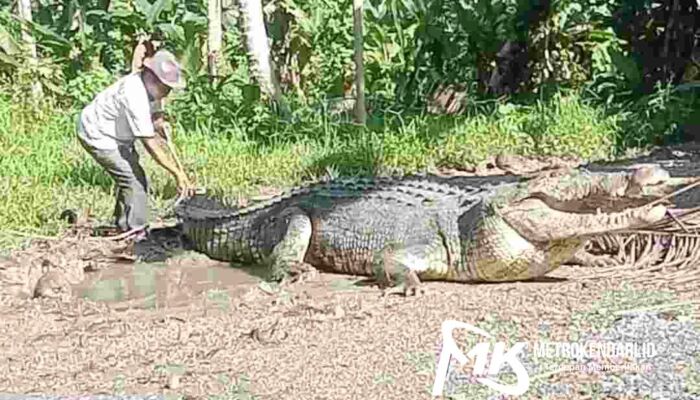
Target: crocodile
(405, 230)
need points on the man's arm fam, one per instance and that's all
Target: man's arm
(144, 49)
(156, 148)
(158, 118)
(161, 150)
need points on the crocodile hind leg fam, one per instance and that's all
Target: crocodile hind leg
(287, 258)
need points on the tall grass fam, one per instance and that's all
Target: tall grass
(43, 169)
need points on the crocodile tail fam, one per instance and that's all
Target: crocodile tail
(202, 206)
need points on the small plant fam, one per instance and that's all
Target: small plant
(237, 390)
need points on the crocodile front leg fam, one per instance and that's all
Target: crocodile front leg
(287, 257)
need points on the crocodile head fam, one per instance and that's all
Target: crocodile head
(542, 224)
(652, 181)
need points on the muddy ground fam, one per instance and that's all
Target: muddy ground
(191, 327)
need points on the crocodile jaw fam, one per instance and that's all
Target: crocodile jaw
(498, 253)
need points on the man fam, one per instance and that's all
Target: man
(127, 110)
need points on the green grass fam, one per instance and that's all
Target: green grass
(43, 169)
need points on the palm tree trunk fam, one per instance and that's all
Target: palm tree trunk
(259, 51)
(360, 111)
(24, 8)
(214, 37)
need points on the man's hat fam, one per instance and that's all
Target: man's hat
(166, 68)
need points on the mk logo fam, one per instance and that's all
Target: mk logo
(480, 354)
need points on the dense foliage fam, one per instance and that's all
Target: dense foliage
(584, 77)
(600, 48)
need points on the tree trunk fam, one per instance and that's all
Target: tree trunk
(24, 8)
(259, 51)
(360, 111)
(214, 37)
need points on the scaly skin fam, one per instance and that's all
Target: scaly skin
(408, 230)
(356, 219)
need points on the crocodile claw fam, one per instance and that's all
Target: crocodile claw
(411, 287)
(300, 272)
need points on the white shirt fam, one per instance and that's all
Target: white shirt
(118, 115)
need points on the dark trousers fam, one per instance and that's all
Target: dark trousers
(131, 209)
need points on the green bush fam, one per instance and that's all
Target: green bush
(583, 97)
(84, 87)
(44, 170)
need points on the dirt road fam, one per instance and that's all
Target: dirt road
(190, 327)
(194, 327)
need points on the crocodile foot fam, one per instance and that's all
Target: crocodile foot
(300, 272)
(411, 286)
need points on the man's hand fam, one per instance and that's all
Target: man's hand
(184, 186)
